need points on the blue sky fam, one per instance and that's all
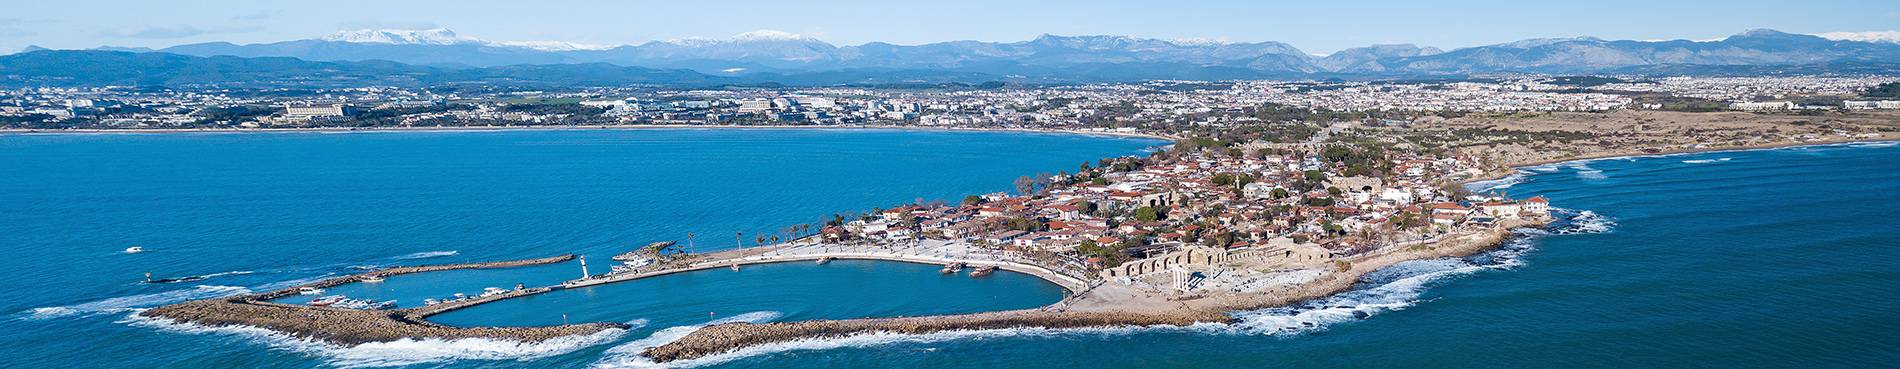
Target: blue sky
(1313, 26)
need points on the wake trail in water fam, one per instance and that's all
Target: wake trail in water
(428, 255)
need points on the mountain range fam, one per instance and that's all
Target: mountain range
(779, 57)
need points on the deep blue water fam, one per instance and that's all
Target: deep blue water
(1774, 258)
(257, 211)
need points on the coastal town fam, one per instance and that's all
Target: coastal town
(1147, 106)
(1266, 194)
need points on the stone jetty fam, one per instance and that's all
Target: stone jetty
(350, 327)
(725, 337)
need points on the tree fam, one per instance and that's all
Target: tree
(972, 200)
(1025, 185)
(1098, 181)
(1315, 176)
(1147, 214)
(1280, 193)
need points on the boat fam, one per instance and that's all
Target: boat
(735, 267)
(952, 268)
(983, 271)
(309, 291)
(459, 296)
(430, 301)
(371, 278)
(823, 260)
(326, 301)
(385, 305)
(493, 291)
(352, 304)
(134, 250)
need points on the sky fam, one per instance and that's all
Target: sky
(1313, 26)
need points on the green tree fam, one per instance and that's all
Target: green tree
(1147, 214)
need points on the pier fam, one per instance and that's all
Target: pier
(351, 326)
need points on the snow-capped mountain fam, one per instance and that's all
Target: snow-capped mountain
(444, 36)
(1104, 57)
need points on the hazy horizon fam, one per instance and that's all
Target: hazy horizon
(1314, 28)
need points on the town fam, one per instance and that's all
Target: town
(1155, 106)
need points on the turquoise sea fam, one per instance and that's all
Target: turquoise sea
(1770, 258)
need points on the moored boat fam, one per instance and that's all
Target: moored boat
(326, 301)
(983, 271)
(823, 260)
(953, 268)
(309, 291)
(371, 278)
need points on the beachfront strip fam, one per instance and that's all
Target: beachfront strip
(1185, 235)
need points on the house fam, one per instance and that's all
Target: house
(1537, 205)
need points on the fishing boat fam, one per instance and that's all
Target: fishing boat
(309, 291)
(371, 278)
(352, 304)
(983, 271)
(326, 301)
(134, 250)
(823, 260)
(953, 268)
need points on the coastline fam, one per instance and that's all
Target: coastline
(597, 127)
(1518, 167)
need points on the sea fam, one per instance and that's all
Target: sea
(1765, 258)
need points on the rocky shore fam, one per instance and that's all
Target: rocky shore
(350, 327)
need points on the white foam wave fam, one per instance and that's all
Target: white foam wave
(134, 302)
(1496, 184)
(1870, 145)
(1706, 161)
(428, 255)
(395, 353)
(1584, 222)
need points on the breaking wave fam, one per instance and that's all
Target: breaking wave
(394, 353)
(1581, 222)
(1497, 184)
(200, 277)
(134, 302)
(627, 355)
(1706, 161)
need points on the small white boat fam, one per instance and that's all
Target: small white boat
(493, 291)
(371, 278)
(459, 296)
(309, 291)
(430, 301)
(326, 301)
(823, 260)
(134, 250)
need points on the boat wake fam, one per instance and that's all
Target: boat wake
(134, 302)
(196, 278)
(394, 353)
(428, 255)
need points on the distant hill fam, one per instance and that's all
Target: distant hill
(776, 58)
(102, 68)
(1054, 58)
